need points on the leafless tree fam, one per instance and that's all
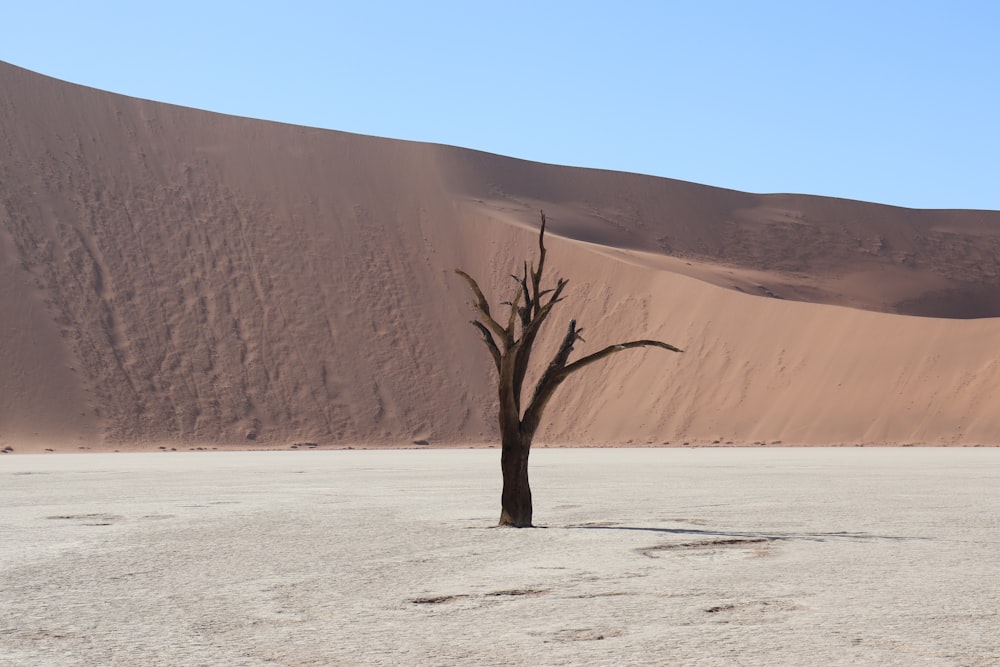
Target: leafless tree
(510, 345)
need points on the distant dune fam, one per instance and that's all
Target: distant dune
(176, 277)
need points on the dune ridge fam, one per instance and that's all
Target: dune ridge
(174, 276)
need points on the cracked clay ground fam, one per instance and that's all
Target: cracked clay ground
(643, 557)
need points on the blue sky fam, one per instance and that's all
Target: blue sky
(886, 101)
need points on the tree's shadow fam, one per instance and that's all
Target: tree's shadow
(738, 534)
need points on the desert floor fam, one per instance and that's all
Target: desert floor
(657, 556)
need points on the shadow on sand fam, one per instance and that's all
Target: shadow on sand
(744, 535)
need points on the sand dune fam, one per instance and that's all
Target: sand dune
(172, 276)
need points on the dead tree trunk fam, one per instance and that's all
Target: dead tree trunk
(510, 346)
(515, 499)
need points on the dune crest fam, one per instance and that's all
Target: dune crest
(171, 275)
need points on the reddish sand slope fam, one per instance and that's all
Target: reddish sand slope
(170, 275)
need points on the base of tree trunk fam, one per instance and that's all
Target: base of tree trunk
(514, 522)
(515, 500)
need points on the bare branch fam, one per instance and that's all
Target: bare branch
(611, 349)
(543, 312)
(524, 346)
(490, 343)
(552, 377)
(525, 311)
(483, 308)
(512, 318)
(560, 286)
(558, 371)
(536, 275)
